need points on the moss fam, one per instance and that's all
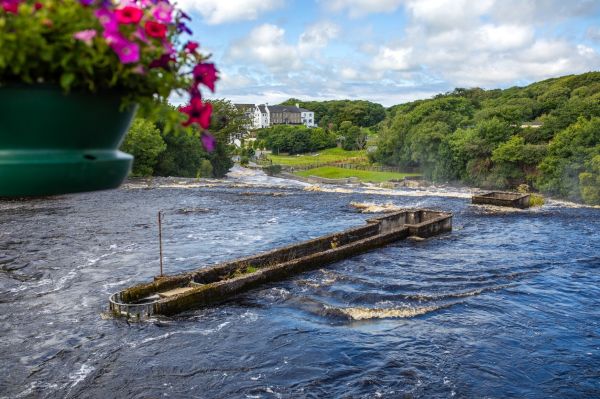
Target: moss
(536, 200)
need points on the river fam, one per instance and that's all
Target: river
(507, 305)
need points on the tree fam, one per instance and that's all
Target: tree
(568, 154)
(145, 143)
(589, 181)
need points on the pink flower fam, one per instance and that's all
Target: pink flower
(107, 19)
(128, 52)
(129, 15)
(206, 73)
(85, 36)
(163, 12)
(208, 141)
(198, 113)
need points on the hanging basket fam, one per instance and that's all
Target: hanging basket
(55, 143)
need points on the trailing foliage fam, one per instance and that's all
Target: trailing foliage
(476, 136)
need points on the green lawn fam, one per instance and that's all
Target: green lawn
(328, 155)
(332, 172)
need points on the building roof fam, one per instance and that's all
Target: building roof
(243, 106)
(284, 108)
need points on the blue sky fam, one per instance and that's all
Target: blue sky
(390, 51)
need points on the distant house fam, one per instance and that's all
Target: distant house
(532, 125)
(266, 115)
(307, 117)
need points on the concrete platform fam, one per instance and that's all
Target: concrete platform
(209, 285)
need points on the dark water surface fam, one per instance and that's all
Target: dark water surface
(507, 305)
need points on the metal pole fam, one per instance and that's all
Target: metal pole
(160, 241)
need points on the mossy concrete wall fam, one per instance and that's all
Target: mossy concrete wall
(498, 198)
(221, 281)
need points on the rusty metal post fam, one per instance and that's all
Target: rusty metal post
(160, 241)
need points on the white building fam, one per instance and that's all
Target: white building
(308, 117)
(261, 116)
(266, 115)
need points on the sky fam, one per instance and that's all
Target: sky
(390, 51)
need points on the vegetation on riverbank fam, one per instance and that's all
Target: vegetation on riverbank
(160, 153)
(329, 155)
(480, 137)
(332, 172)
(331, 114)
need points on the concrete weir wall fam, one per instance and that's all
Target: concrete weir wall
(498, 198)
(214, 284)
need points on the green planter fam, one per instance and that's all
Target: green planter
(55, 143)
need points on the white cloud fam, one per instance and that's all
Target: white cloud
(358, 8)
(443, 44)
(266, 44)
(221, 11)
(448, 14)
(317, 37)
(393, 59)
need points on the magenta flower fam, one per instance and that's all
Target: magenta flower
(197, 113)
(208, 141)
(206, 73)
(155, 29)
(107, 19)
(162, 62)
(11, 6)
(140, 34)
(129, 15)
(85, 36)
(128, 52)
(191, 47)
(163, 12)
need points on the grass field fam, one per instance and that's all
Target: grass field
(332, 172)
(328, 155)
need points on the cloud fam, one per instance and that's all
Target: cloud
(439, 15)
(317, 37)
(393, 59)
(222, 11)
(439, 45)
(266, 44)
(358, 8)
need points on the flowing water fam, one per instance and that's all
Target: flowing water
(507, 305)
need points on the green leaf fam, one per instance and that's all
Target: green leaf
(66, 80)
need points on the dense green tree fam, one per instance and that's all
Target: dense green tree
(568, 154)
(475, 136)
(590, 181)
(295, 139)
(359, 112)
(145, 143)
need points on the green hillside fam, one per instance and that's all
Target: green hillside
(478, 137)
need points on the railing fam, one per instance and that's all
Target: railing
(136, 311)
